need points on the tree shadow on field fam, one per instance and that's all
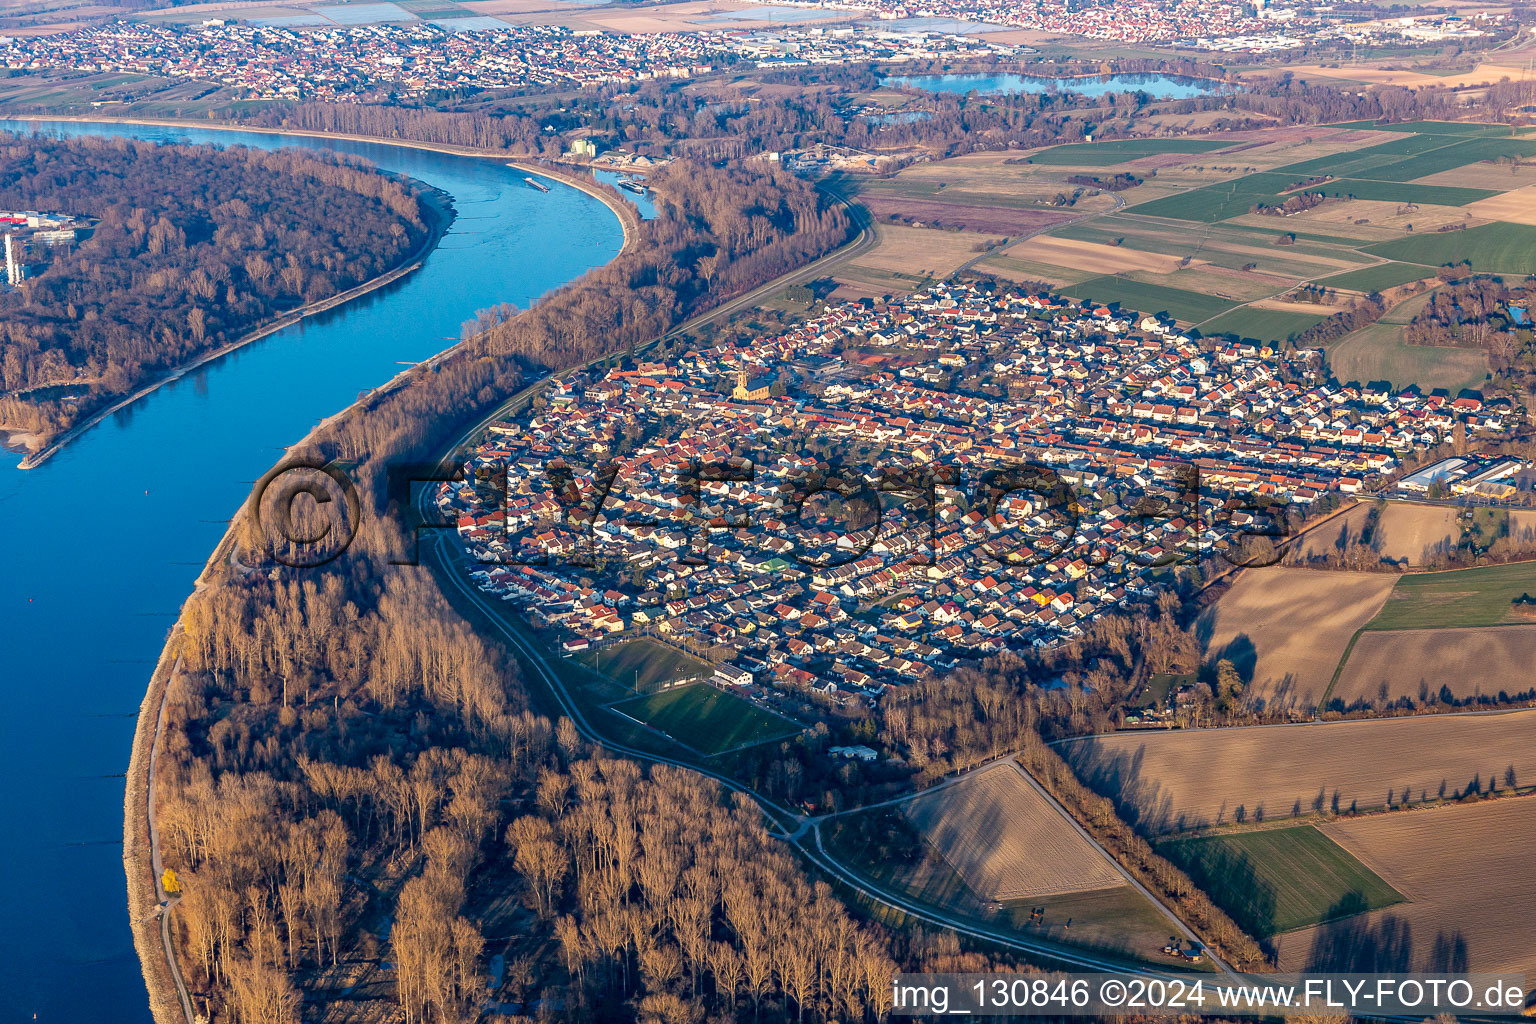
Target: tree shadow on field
(1230, 879)
(1243, 655)
(1119, 776)
(1352, 942)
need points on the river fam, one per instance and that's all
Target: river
(105, 540)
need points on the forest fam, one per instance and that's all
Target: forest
(353, 778)
(741, 116)
(191, 247)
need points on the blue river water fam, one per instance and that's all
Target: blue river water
(1163, 87)
(103, 542)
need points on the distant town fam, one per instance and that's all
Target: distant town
(276, 62)
(311, 58)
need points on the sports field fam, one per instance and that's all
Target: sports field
(643, 664)
(707, 719)
(1484, 596)
(1280, 879)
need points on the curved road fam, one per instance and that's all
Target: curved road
(794, 828)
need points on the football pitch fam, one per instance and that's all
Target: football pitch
(706, 719)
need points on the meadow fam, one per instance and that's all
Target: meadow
(1278, 879)
(1482, 596)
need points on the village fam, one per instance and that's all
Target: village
(1028, 464)
(418, 57)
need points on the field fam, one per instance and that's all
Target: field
(1279, 879)
(1187, 306)
(1483, 596)
(643, 665)
(1374, 279)
(1107, 154)
(1405, 534)
(1482, 661)
(1006, 840)
(1466, 873)
(1222, 200)
(1094, 257)
(1018, 855)
(1497, 248)
(1171, 781)
(1263, 324)
(706, 719)
(1285, 629)
(1516, 207)
(905, 257)
(1380, 351)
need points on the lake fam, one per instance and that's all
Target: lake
(1163, 87)
(105, 540)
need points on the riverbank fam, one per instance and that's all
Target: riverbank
(150, 933)
(439, 210)
(629, 218)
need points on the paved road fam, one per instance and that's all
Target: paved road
(794, 829)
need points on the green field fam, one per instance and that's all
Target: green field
(707, 719)
(643, 664)
(1359, 161)
(1105, 154)
(1496, 248)
(1261, 324)
(1448, 158)
(1221, 200)
(1443, 128)
(1190, 307)
(1374, 279)
(1413, 156)
(1399, 192)
(1278, 880)
(1483, 596)
(1379, 352)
